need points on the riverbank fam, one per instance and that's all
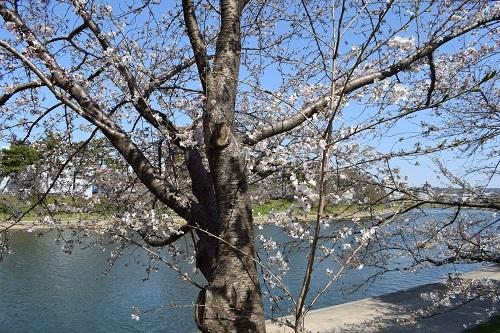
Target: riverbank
(76, 223)
(32, 226)
(384, 313)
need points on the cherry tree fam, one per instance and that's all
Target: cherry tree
(206, 101)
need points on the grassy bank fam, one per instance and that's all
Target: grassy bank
(280, 205)
(61, 207)
(71, 209)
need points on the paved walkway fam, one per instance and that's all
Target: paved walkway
(382, 313)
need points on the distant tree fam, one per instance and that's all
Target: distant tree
(17, 158)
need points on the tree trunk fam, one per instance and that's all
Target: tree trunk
(231, 302)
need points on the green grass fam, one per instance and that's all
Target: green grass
(274, 205)
(33, 216)
(13, 206)
(279, 205)
(491, 326)
(9, 205)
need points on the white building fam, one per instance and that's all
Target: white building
(29, 181)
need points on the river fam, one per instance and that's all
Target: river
(44, 290)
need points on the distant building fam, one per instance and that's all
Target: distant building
(27, 182)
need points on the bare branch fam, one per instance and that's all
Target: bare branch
(71, 35)
(432, 74)
(156, 241)
(157, 82)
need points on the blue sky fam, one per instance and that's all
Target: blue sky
(417, 174)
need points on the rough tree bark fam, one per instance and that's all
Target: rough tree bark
(231, 302)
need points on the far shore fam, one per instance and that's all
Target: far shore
(91, 220)
(76, 223)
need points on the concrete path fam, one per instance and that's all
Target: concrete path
(383, 313)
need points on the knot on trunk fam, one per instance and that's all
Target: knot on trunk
(221, 136)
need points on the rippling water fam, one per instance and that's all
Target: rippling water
(44, 290)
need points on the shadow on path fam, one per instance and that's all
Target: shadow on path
(386, 313)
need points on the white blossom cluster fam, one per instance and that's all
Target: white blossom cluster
(162, 225)
(460, 290)
(402, 43)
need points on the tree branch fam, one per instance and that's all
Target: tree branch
(197, 41)
(156, 241)
(71, 35)
(309, 110)
(19, 88)
(138, 99)
(90, 110)
(432, 74)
